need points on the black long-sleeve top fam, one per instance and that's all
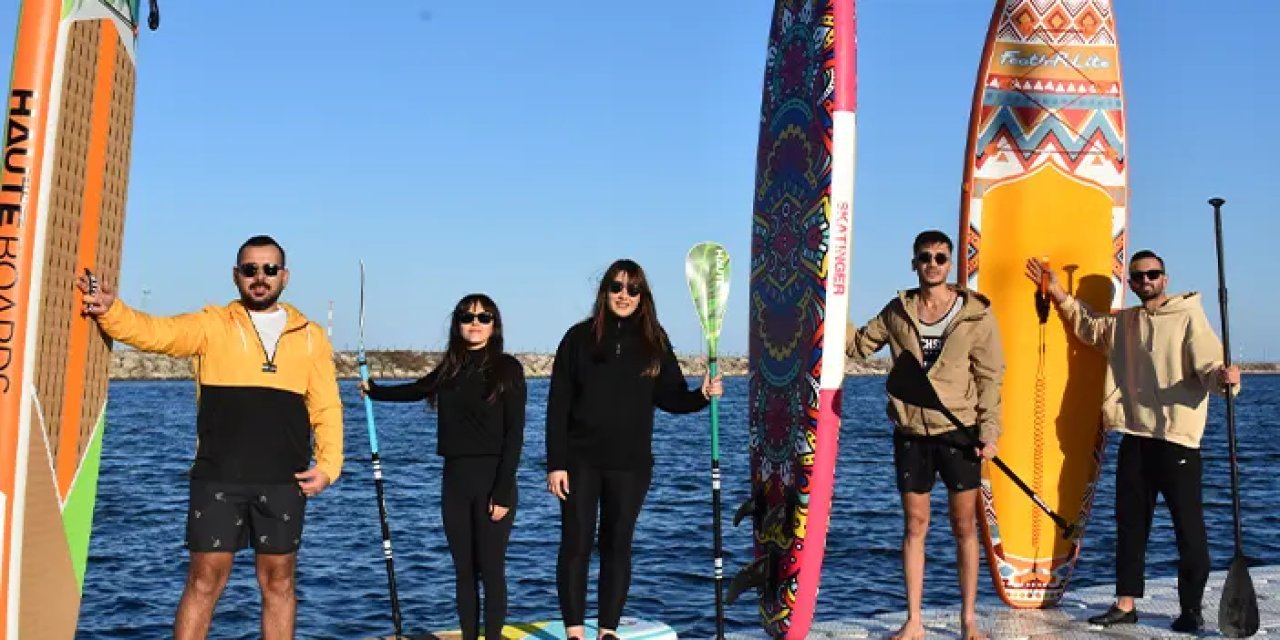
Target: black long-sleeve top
(601, 405)
(467, 423)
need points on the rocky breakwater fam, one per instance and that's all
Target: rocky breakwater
(128, 364)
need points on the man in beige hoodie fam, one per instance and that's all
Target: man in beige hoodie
(953, 333)
(1164, 359)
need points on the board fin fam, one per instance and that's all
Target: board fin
(752, 576)
(752, 506)
(747, 507)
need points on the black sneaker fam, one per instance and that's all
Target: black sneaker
(1115, 615)
(1189, 622)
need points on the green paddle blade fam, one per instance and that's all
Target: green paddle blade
(707, 270)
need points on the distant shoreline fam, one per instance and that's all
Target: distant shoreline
(128, 364)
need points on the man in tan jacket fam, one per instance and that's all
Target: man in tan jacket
(953, 333)
(1164, 359)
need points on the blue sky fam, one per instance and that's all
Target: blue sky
(517, 148)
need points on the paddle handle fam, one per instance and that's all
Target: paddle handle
(1067, 528)
(1217, 203)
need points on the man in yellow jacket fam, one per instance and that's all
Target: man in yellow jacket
(266, 389)
(1164, 359)
(953, 334)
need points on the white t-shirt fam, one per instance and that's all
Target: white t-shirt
(270, 324)
(931, 335)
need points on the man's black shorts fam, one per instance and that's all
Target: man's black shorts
(918, 459)
(227, 516)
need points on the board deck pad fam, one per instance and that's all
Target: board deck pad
(798, 301)
(1045, 176)
(72, 99)
(628, 629)
(1069, 621)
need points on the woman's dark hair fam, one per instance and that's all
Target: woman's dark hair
(653, 338)
(498, 374)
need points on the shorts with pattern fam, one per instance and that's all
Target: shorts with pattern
(226, 516)
(919, 459)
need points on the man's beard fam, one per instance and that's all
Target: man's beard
(1147, 297)
(259, 305)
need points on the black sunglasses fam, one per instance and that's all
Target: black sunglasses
(633, 289)
(925, 257)
(250, 269)
(484, 317)
(1149, 274)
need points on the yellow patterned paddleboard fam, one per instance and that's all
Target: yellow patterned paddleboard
(1046, 176)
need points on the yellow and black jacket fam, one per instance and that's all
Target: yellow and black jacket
(254, 422)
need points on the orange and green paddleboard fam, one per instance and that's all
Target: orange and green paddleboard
(1046, 171)
(69, 123)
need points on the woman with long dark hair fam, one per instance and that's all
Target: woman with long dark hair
(610, 372)
(478, 392)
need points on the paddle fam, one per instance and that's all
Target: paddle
(909, 383)
(1238, 611)
(707, 270)
(377, 469)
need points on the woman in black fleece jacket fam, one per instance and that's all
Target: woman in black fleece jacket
(479, 396)
(610, 371)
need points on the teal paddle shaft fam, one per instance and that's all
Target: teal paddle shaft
(377, 472)
(715, 412)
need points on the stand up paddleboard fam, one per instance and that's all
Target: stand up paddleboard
(1045, 176)
(802, 231)
(62, 200)
(628, 629)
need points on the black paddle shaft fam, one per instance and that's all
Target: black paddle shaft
(1067, 528)
(909, 382)
(719, 546)
(1226, 359)
(386, 545)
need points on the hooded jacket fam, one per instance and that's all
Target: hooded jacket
(966, 375)
(252, 425)
(1162, 364)
(600, 406)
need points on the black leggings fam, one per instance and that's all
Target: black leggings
(1148, 466)
(619, 495)
(478, 545)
